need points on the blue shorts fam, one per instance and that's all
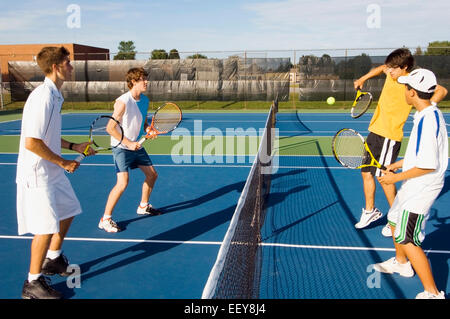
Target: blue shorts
(125, 159)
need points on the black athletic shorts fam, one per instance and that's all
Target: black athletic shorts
(383, 149)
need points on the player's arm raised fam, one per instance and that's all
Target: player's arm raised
(439, 94)
(372, 73)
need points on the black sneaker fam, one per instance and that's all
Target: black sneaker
(149, 210)
(57, 266)
(39, 289)
(153, 211)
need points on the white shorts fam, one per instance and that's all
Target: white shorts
(410, 211)
(409, 227)
(40, 209)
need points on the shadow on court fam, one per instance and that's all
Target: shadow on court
(446, 187)
(438, 240)
(144, 250)
(374, 255)
(319, 215)
(180, 234)
(279, 197)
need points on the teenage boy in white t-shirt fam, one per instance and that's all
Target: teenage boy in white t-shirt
(46, 202)
(130, 109)
(423, 172)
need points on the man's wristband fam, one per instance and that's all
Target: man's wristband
(70, 146)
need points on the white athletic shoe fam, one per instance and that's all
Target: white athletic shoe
(108, 225)
(386, 231)
(393, 266)
(148, 210)
(428, 295)
(142, 210)
(368, 217)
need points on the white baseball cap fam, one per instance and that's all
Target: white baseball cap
(422, 80)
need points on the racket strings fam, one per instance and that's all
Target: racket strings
(362, 104)
(99, 129)
(100, 137)
(349, 149)
(167, 118)
(363, 100)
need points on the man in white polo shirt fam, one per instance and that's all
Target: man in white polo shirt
(423, 172)
(46, 202)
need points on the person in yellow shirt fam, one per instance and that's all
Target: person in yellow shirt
(386, 129)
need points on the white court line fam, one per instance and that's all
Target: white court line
(165, 165)
(212, 166)
(427, 251)
(112, 240)
(9, 121)
(320, 121)
(215, 243)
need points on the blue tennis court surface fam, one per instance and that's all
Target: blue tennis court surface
(314, 124)
(311, 249)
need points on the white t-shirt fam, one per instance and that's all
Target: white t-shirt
(133, 118)
(428, 149)
(42, 120)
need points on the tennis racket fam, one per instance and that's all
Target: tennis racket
(361, 103)
(165, 119)
(351, 150)
(100, 138)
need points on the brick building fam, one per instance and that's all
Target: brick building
(28, 52)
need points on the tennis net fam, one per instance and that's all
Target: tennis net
(236, 272)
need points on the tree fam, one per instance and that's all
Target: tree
(173, 54)
(326, 60)
(307, 63)
(436, 58)
(126, 51)
(197, 56)
(418, 51)
(361, 65)
(353, 68)
(159, 54)
(438, 48)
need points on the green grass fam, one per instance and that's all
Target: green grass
(217, 145)
(211, 106)
(214, 106)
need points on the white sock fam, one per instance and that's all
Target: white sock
(106, 217)
(53, 254)
(32, 277)
(143, 204)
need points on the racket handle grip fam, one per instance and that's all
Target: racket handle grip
(142, 140)
(78, 159)
(385, 169)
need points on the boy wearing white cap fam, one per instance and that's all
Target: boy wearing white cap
(423, 172)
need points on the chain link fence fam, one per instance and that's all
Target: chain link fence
(261, 75)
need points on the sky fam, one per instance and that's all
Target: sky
(227, 25)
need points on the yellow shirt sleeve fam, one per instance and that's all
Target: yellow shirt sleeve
(391, 112)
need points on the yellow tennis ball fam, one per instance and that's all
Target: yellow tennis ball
(331, 100)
